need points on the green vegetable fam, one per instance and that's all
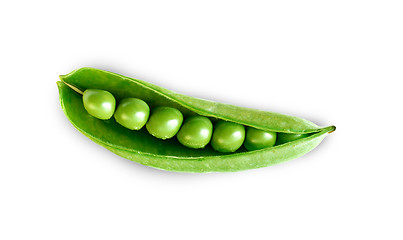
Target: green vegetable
(132, 113)
(289, 137)
(99, 103)
(142, 147)
(228, 136)
(258, 139)
(164, 122)
(195, 132)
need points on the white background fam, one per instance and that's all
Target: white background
(331, 62)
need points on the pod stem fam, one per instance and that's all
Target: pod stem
(74, 88)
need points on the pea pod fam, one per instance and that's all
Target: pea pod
(141, 147)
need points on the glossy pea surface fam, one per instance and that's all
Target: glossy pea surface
(228, 136)
(258, 139)
(164, 122)
(132, 113)
(289, 137)
(99, 103)
(196, 132)
(145, 149)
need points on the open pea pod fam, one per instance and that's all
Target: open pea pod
(141, 147)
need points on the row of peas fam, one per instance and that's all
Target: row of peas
(166, 122)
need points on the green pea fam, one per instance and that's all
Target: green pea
(99, 103)
(164, 122)
(288, 137)
(132, 113)
(258, 139)
(145, 149)
(228, 136)
(195, 132)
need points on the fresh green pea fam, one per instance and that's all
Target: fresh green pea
(258, 139)
(171, 155)
(132, 113)
(289, 137)
(164, 122)
(195, 132)
(228, 136)
(99, 103)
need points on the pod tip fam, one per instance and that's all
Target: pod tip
(332, 129)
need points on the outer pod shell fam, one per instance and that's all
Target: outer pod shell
(141, 147)
(227, 163)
